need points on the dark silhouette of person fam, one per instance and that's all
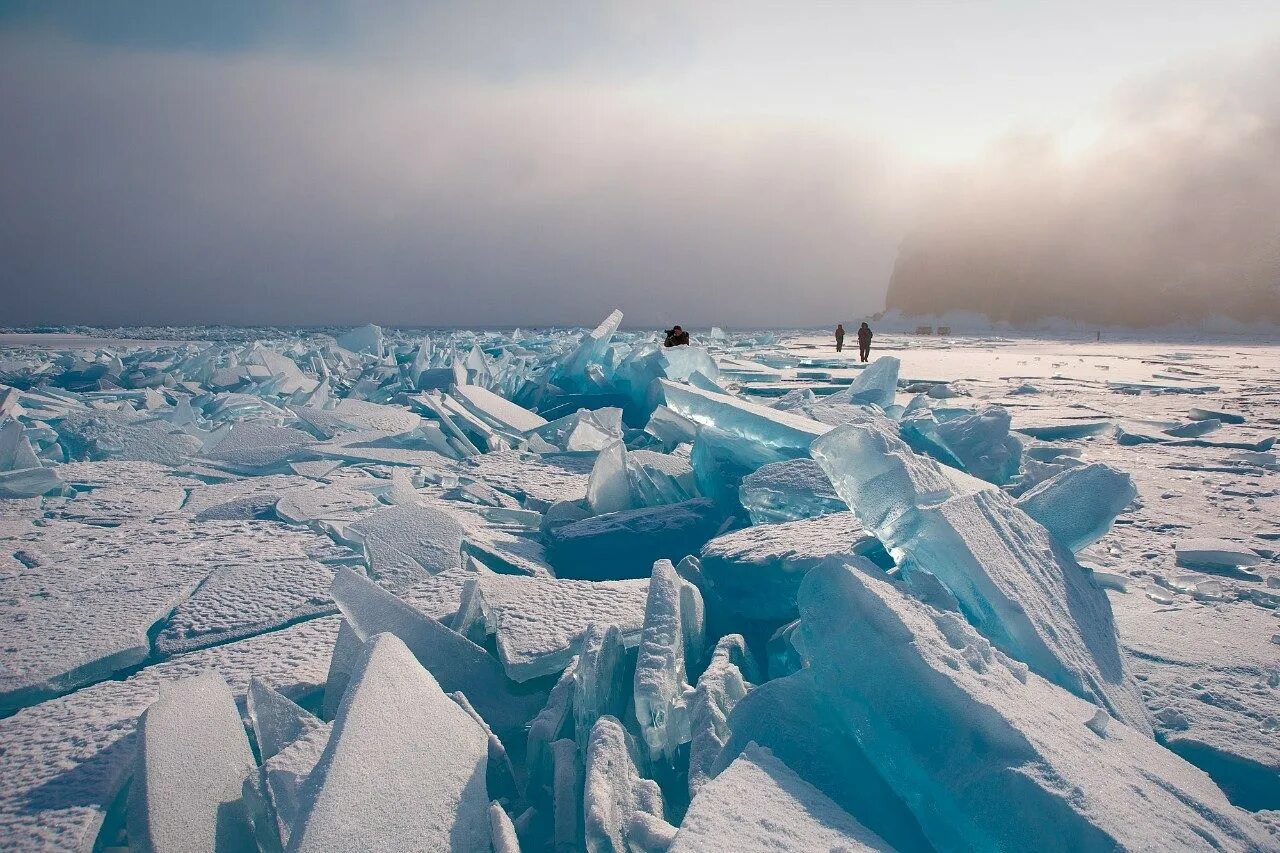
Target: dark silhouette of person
(839, 337)
(864, 342)
(676, 337)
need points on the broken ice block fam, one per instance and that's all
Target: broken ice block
(407, 544)
(277, 721)
(775, 429)
(756, 571)
(290, 742)
(572, 373)
(366, 339)
(877, 383)
(1214, 554)
(788, 491)
(539, 623)
(1025, 594)
(613, 789)
(498, 411)
(453, 660)
(982, 444)
(758, 805)
(720, 687)
(1078, 506)
(609, 490)
(192, 758)
(600, 682)
(625, 544)
(1201, 414)
(926, 686)
(721, 461)
(672, 635)
(404, 768)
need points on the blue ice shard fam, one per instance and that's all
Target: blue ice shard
(1027, 595)
(877, 383)
(788, 491)
(1078, 506)
(672, 638)
(1048, 772)
(721, 686)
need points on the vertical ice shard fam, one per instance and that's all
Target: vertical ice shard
(572, 373)
(759, 805)
(1078, 506)
(453, 660)
(290, 742)
(404, 769)
(502, 832)
(192, 759)
(609, 490)
(566, 795)
(1027, 595)
(554, 722)
(599, 679)
(347, 649)
(720, 687)
(673, 633)
(614, 789)
(877, 383)
(988, 755)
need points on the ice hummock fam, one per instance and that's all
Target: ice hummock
(1027, 596)
(1048, 775)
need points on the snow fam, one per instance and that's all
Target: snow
(758, 805)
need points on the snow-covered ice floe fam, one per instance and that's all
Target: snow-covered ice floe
(550, 590)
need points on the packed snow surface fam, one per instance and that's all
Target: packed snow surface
(561, 590)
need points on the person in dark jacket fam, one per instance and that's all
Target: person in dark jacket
(839, 337)
(676, 337)
(864, 342)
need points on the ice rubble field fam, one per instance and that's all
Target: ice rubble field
(572, 591)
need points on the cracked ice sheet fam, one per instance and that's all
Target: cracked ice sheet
(1210, 675)
(541, 479)
(63, 761)
(539, 622)
(264, 576)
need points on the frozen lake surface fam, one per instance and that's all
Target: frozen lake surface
(575, 591)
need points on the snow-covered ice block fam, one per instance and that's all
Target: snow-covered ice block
(539, 623)
(335, 503)
(1214, 554)
(877, 383)
(192, 759)
(498, 410)
(65, 760)
(29, 482)
(758, 805)
(290, 742)
(502, 832)
(404, 768)
(614, 790)
(601, 680)
(1026, 594)
(454, 661)
(1078, 506)
(258, 448)
(347, 648)
(1052, 772)
(1202, 414)
(720, 687)
(625, 544)
(672, 638)
(791, 718)
(408, 543)
(755, 572)
(788, 491)
(538, 480)
(773, 428)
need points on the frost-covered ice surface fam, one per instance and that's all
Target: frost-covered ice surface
(598, 595)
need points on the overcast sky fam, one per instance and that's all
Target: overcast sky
(493, 163)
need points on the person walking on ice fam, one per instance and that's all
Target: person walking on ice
(839, 337)
(864, 342)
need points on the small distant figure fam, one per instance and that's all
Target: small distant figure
(864, 342)
(839, 337)
(676, 337)
(1099, 338)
